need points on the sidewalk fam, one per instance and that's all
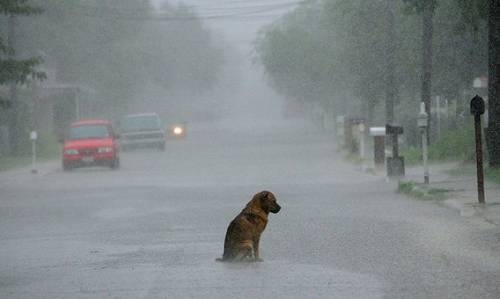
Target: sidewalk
(462, 183)
(43, 168)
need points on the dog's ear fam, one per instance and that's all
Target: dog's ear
(264, 194)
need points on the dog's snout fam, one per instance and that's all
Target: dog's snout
(276, 209)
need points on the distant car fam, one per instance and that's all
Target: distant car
(142, 130)
(91, 143)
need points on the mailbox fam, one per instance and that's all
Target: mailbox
(395, 164)
(378, 134)
(423, 118)
(393, 130)
(477, 106)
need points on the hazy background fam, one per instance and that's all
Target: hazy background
(236, 24)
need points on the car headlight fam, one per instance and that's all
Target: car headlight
(106, 149)
(71, 152)
(178, 130)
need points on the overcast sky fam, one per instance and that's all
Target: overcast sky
(238, 20)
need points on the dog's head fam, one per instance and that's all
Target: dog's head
(267, 202)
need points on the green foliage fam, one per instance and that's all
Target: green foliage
(458, 144)
(119, 48)
(472, 12)
(330, 50)
(14, 70)
(453, 145)
(421, 5)
(47, 149)
(493, 175)
(18, 7)
(412, 155)
(405, 187)
(421, 191)
(294, 56)
(18, 71)
(336, 50)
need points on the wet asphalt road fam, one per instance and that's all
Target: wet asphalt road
(154, 228)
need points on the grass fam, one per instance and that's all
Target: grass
(422, 192)
(453, 145)
(354, 158)
(413, 156)
(48, 149)
(10, 162)
(493, 175)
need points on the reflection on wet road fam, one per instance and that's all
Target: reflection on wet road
(154, 227)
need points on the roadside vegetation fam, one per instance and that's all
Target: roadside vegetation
(456, 145)
(47, 149)
(348, 58)
(332, 55)
(422, 191)
(123, 55)
(493, 175)
(453, 145)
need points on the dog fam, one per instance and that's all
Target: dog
(243, 234)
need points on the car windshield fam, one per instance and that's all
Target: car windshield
(140, 123)
(88, 131)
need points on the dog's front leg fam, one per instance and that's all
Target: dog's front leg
(256, 249)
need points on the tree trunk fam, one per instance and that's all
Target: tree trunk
(14, 128)
(494, 83)
(428, 28)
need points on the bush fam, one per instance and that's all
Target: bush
(48, 146)
(421, 191)
(454, 145)
(458, 144)
(493, 175)
(413, 156)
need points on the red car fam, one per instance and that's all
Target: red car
(91, 143)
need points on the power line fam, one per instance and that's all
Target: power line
(248, 12)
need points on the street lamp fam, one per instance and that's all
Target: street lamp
(422, 124)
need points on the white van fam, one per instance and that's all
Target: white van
(141, 130)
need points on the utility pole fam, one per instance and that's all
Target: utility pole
(389, 80)
(422, 122)
(477, 108)
(390, 84)
(13, 113)
(427, 29)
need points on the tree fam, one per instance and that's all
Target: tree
(344, 53)
(331, 51)
(494, 83)
(123, 49)
(473, 11)
(426, 8)
(12, 70)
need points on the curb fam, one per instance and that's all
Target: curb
(465, 210)
(43, 168)
(468, 209)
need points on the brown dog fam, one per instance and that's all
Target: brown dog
(243, 234)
